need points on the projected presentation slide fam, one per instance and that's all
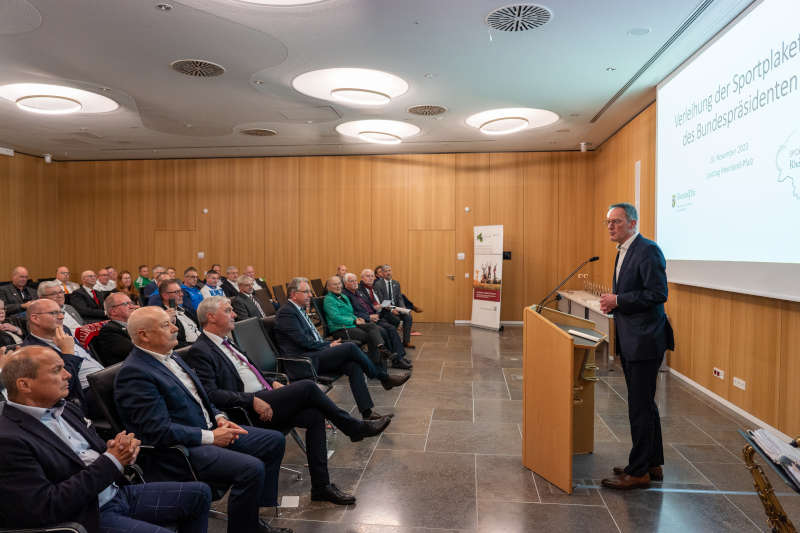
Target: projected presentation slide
(728, 145)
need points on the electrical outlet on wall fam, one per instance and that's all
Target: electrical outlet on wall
(739, 383)
(719, 373)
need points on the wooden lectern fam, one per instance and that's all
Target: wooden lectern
(558, 373)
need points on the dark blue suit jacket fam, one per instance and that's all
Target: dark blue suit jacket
(154, 404)
(642, 329)
(361, 306)
(72, 363)
(42, 481)
(293, 333)
(218, 375)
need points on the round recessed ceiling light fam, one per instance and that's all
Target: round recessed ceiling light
(55, 99)
(378, 131)
(48, 104)
(510, 120)
(282, 3)
(356, 86)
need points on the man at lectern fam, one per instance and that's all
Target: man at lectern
(643, 334)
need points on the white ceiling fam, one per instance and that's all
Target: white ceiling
(442, 48)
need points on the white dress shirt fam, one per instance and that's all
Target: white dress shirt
(89, 365)
(249, 380)
(108, 287)
(70, 322)
(623, 249)
(173, 366)
(190, 329)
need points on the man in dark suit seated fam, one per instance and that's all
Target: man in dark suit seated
(87, 301)
(112, 343)
(17, 295)
(344, 324)
(643, 335)
(56, 468)
(296, 335)
(230, 282)
(244, 303)
(232, 380)
(389, 289)
(363, 310)
(161, 399)
(152, 286)
(185, 318)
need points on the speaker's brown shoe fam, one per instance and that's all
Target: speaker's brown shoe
(626, 482)
(656, 473)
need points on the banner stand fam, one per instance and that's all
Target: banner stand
(487, 277)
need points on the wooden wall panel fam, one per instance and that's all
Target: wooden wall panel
(282, 210)
(789, 369)
(431, 191)
(390, 215)
(576, 224)
(427, 277)
(711, 316)
(542, 226)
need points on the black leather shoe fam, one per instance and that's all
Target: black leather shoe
(264, 527)
(385, 353)
(656, 472)
(401, 364)
(370, 428)
(374, 415)
(408, 361)
(392, 381)
(331, 493)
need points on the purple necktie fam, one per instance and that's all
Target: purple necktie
(244, 360)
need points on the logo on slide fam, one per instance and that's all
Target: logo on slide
(682, 200)
(787, 160)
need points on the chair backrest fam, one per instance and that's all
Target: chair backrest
(102, 384)
(249, 334)
(319, 288)
(318, 304)
(182, 351)
(263, 298)
(280, 294)
(265, 288)
(269, 330)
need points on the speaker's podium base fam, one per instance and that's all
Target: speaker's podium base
(558, 376)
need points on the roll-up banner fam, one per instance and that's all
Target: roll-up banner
(487, 276)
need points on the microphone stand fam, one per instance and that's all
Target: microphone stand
(540, 305)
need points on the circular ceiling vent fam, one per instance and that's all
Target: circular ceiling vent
(427, 110)
(518, 17)
(198, 68)
(259, 132)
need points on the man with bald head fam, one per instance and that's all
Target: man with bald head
(45, 324)
(62, 277)
(49, 451)
(87, 300)
(112, 343)
(258, 283)
(17, 295)
(161, 399)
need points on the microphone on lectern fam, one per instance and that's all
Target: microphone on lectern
(540, 305)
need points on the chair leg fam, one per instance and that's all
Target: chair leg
(297, 473)
(219, 515)
(298, 440)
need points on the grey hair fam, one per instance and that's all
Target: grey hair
(43, 286)
(630, 210)
(243, 279)
(209, 305)
(294, 285)
(350, 275)
(110, 302)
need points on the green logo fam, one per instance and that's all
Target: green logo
(480, 237)
(674, 200)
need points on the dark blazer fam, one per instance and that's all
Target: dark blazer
(156, 406)
(244, 307)
(191, 313)
(83, 302)
(112, 343)
(9, 294)
(228, 288)
(218, 375)
(148, 290)
(642, 329)
(361, 306)
(6, 339)
(293, 333)
(72, 363)
(42, 481)
(381, 287)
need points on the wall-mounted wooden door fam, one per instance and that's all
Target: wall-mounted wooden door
(431, 274)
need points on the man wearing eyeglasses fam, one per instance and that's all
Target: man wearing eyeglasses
(643, 334)
(45, 324)
(53, 290)
(191, 293)
(184, 318)
(113, 343)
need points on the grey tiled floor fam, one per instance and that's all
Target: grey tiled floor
(451, 459)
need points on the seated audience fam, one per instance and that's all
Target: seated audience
(216, 267)
(341, 270)
(244, 303)
(52, 290)
(46, 328)
(152, 287)
(191, 293)
(380, 274)
(364, 310)
(112, 343)
(296, 335)
(143, 279)
(184, 318)
(259, 283)
(104, 282)
(62, 277)
(230, 282)
(395, 313)
(154, 298)
(232, 380)
(212, 286)
(112, 275)
(160, 398)
(125, 285)
(172, 273)
(345, 325)
(17, 295)
(87, 301)
(9, 333)
(56, 468)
